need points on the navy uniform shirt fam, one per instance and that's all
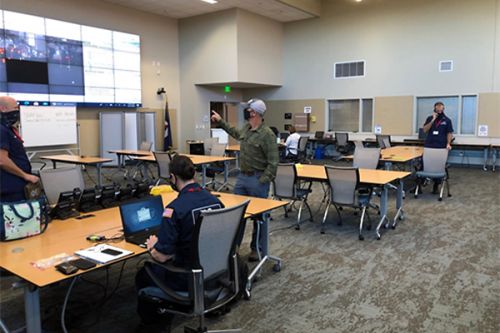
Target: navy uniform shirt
(9, 141)
(437, 137)
(174, 237)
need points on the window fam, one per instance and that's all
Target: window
(349, 69)
(460, 109)
(350, 115)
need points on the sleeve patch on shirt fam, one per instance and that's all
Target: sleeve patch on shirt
(168, 212)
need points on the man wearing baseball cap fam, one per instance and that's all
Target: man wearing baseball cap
(258, 156)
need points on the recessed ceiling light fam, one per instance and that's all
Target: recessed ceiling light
(358, 0)
(212, 2)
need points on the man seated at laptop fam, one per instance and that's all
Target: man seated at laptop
(174, 238)
(292, 144)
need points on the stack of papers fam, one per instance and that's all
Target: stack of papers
(103, 253)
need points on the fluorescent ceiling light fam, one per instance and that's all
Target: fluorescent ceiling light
(212, 2)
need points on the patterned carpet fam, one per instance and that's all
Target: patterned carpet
(438, 271)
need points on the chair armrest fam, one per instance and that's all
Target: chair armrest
(148, 266)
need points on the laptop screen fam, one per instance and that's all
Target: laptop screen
(141, 215)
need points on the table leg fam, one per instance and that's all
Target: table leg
(99, 178)
(262, 229)
(400, 214)
(383, 209)
(493, 159)
(485, 158)
(203, 175)
(32, 309)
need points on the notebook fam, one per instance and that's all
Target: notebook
(141, 219)
(103, 253)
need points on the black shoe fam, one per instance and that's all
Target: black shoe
(253, 256)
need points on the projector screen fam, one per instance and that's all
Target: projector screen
(48, 125)
(55, 62)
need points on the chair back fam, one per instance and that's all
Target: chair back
(434, 160)
(366, 158)
(208, 143)
(343, 184)
(218, 149)
(55, 181)
(302, 144)
(145, 145)
(163, 160)
(221, 227)
(341, 139)
(284, 182)
(384, 141)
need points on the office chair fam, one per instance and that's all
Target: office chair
(434, 162)
(345, 191)
(384, 141)
(367, 158)
(213, 274)
(136, 164)
(342, 144)
(218, 149)
(162, 161)
(55, 181)
(302, 150)
(286, 186)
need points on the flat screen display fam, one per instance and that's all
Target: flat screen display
(45, 61)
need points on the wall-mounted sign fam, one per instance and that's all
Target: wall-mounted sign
(307, 109)
(378, 129)
(482, 130)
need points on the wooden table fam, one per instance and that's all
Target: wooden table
(202, 160)
(367, 176)
(70, 235)
(81, 160)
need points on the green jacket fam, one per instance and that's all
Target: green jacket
(258, 149)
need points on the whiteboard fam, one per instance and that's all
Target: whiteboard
(48, 125)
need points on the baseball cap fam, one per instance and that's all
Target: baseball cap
(257, 105)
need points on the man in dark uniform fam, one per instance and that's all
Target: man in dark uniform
(173, 241)
(258, 156)
(15, 167)
(439, 131)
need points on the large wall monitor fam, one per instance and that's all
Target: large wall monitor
(57, 63)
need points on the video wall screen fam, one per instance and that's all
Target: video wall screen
(59, 63)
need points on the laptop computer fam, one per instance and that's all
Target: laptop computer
(141, 219)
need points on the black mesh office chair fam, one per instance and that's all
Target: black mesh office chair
(213, 276)
(342, 144)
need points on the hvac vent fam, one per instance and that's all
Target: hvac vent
(349, 69)
(446, 66)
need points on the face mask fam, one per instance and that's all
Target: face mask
(10, 118)
(247, 114)
(172, 183)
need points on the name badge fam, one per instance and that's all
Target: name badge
(435, 132)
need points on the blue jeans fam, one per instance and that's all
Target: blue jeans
(250, 185)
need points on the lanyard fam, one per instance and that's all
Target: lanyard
(16, 133)
(438, 123)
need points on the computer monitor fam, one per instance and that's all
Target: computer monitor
(319, 134)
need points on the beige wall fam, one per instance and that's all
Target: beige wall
(489, 113)
(496, 55)
(275, 115)
(260, 49)
(394, 115)
(159, 43)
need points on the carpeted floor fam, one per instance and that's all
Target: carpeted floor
(438, 271)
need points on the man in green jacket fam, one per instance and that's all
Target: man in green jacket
(258, 156)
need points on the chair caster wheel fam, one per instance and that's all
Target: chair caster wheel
(415, 196)
(297, 227)
(440, 199)
(277, 267)
(322, 232)
(449, 195)
(393, 227)
(247, 295)
(361, 237)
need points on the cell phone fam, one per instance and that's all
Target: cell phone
(82, 264)
(66, 268)
(111, 252)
